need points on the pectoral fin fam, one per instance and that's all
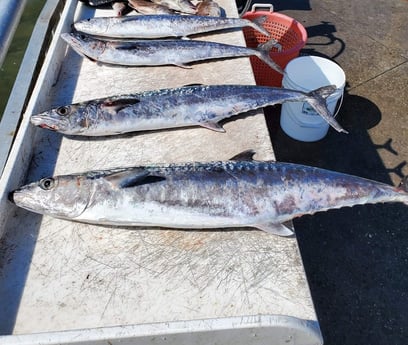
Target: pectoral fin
(133, 178)
(119, 104)
(276, 229)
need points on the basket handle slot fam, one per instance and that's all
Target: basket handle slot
(257, 6)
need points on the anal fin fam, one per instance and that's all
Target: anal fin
(214, 126)
(276, 229)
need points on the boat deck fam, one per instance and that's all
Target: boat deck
(118, 283)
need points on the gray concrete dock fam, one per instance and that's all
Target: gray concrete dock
(356, 259)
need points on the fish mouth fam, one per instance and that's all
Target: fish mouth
(73, 41)
(11, 198)
(17, 197)
(46, 122)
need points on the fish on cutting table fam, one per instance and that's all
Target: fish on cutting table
(236, 193)
(198, 105)
(149, 8)
(183, 6)
(162, 52)
(160, 26)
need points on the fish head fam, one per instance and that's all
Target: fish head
(84, 45)
(67, 119)
(91, 26)
(62, 196)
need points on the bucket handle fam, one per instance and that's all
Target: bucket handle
(256, 6)
(339, 105)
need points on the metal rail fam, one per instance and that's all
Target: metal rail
(27, 75)
(10, 14)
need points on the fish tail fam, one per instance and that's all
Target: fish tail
(257, 24)
(403, 187)
(263, 53)
(317, 100)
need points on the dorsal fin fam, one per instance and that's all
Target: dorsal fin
(193, 84)
(247, 155)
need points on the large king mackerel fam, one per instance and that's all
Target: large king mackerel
(162, 52)
(160, 26)
(221, 194)
(169, 108)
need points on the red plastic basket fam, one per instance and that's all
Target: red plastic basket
(287, 31)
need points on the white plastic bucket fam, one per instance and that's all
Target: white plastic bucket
(306, 73)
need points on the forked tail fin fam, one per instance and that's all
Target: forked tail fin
(403, 187)
(257, 25)
(317, 100)
(263, 53)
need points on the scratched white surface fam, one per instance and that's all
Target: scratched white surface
(63, 275)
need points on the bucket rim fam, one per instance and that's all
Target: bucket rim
(305, 89)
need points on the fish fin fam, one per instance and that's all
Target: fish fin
(132, 178)
(120, 104)
(276, 229)
(191, 85)
(247, 155)
(89, 58)
(126, 45)
(262, 52)
(268, 45)
(214, 126)
(260, 20)
(183, 65)
(257, 24)
(403, 186)
(317, 100)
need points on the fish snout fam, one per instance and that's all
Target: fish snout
(16, 197)
(10, 197)
(48, 122)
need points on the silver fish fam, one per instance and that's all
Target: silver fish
(160, 26)
(162, 52)
(169, 108)
(184, 6)
(221, 194)
(148, 7)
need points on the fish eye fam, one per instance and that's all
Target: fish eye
(47, 183)
(63, 111)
